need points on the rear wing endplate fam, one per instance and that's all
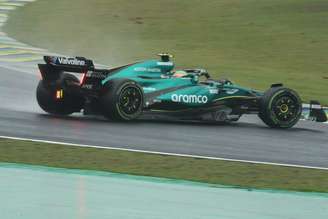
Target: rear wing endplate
(57, 64)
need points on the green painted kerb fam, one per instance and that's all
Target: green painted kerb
(41, 192)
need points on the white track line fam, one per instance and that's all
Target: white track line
(164, 153)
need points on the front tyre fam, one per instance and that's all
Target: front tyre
(66, 103)
(280, 107)
(123, 100)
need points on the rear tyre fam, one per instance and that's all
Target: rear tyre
(66, 103)
(280, 107)
(123, 100)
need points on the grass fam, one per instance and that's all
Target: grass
(253, 42)
(200, 170)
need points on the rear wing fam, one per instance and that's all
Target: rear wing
(56, 64)
(74, 63)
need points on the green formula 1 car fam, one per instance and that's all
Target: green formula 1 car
(71, 85)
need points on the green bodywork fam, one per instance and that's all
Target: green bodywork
(157, 77)
(154, 85)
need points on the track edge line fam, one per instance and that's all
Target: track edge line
(165, 153)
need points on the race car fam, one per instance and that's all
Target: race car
(124, 93)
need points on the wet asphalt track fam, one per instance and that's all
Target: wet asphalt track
(249, 139)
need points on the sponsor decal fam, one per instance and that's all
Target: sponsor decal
(189, 98)
(214, 91)
(143, 69)
(70, 61)
(165, 63)
(157, 101)
(87, 86)
(149, 89)
(232, 91)
(98, 75)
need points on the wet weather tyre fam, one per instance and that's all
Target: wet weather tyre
(122, 100)
(69, 102)
(280, 107)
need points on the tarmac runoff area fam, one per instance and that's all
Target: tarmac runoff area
(40, 192)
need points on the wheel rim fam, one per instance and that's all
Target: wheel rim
(286, 108)
(130, 100)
